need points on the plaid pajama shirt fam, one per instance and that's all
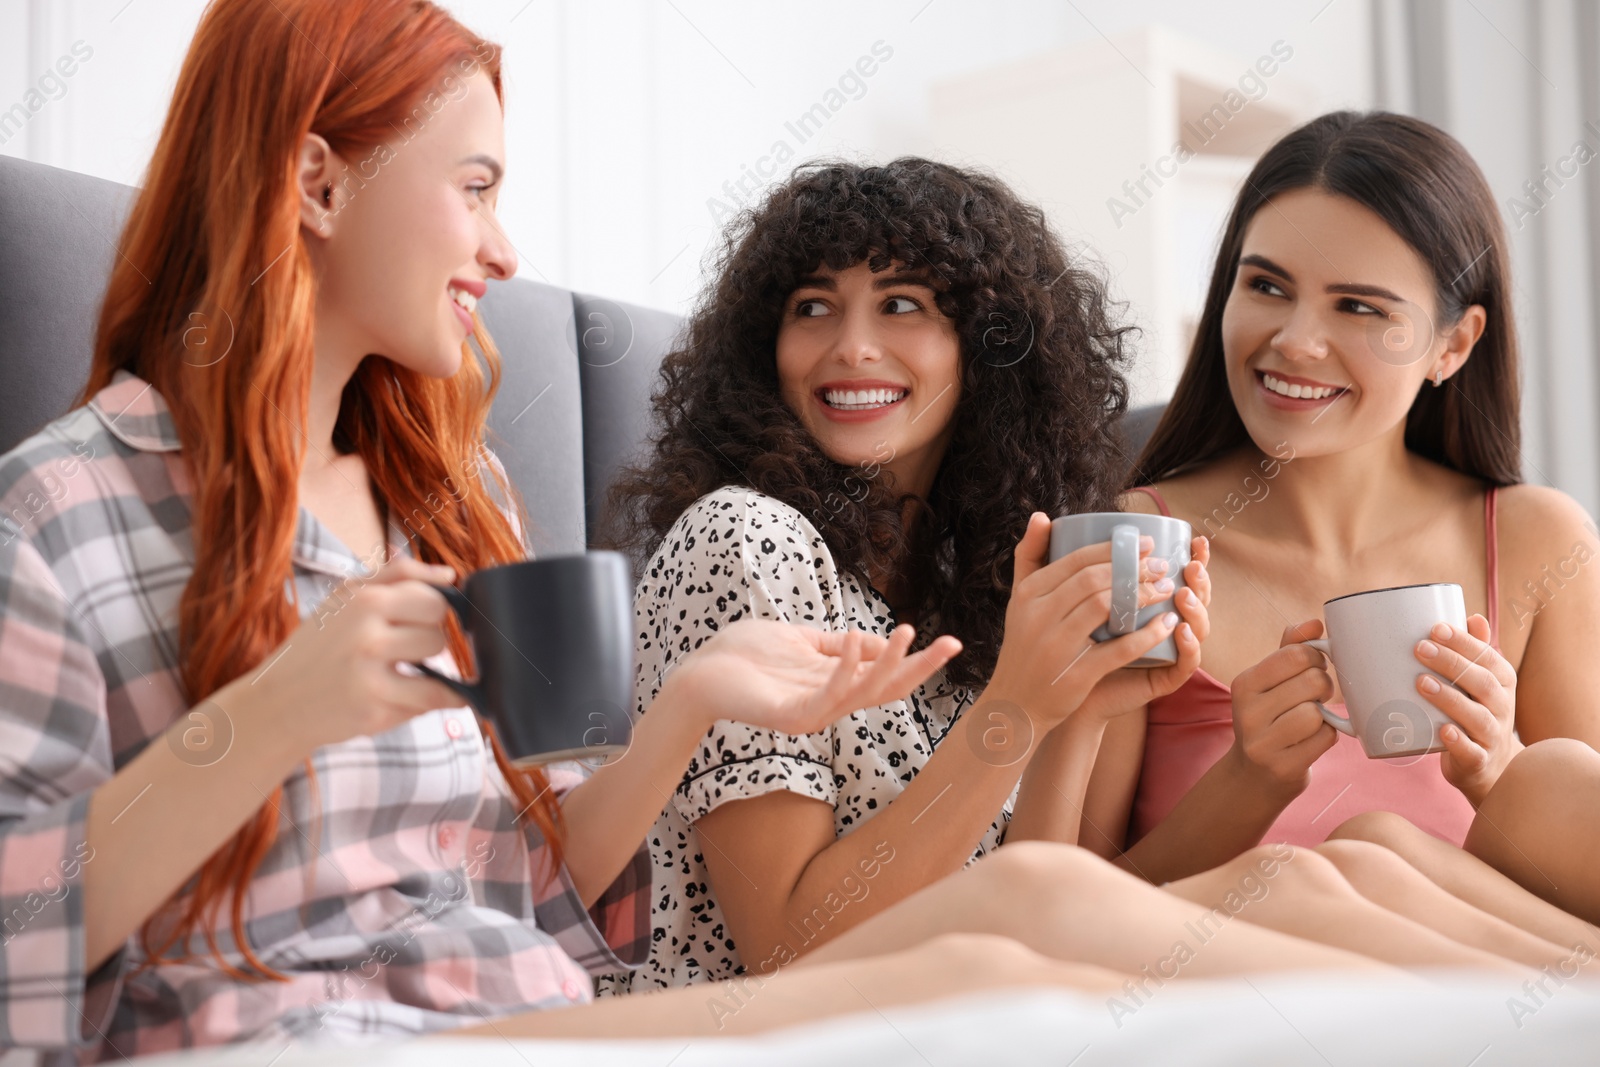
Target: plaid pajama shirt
(421, 903)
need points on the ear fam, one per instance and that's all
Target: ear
(317, 179)
(1459, 341)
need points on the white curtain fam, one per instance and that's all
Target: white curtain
(1517, 82)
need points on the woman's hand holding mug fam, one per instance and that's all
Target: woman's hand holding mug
(1482, 703)
(1121, 691)
(1278, 730)
(1049, 661)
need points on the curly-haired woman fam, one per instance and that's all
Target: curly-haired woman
(897, 369)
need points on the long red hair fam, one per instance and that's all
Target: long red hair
(214, 240)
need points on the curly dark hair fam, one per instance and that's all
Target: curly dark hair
(1042, 388)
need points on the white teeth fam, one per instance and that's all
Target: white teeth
(467, 301)
(862, 399)
(1298, 392)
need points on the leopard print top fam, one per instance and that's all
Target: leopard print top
(738, 553)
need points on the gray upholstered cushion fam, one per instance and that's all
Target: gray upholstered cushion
(58, 234)
(536, 426)
(621, 347)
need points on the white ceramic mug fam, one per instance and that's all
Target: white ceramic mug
(1123, 529)
(1371, 642)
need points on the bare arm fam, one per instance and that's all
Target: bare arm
(789, 678)
(1108, 801)
(1278, 735)
(1550, 541)
(774, 859)
(1051, 804)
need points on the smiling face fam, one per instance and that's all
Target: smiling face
(1330, 328)
(872, 368)
(412, 237)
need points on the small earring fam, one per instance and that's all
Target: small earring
(1438, 378)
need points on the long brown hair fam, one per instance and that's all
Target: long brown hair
(215, 232)
(1422, 182)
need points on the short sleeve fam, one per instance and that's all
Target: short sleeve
(54, 750)
(611, 935)
(737, 554)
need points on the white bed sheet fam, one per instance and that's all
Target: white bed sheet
(1320, 1020)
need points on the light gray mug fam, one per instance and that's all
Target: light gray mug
(1123, 529)
(1372, 637)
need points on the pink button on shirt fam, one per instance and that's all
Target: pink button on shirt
(380, 933)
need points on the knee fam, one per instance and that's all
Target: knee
(1555, 765)
(1303, 868)
(1377, 827)
(1356, 857)
(1032, 871)
(976, 956)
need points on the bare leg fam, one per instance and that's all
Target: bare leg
(1066, 903)
(1471, 879)
(1296, 891)
(1020, 917)
(1385, 879)
(1540, 825)
(943, 967)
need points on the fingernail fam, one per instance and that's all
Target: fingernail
(1164, 585)
(1158, 565)
(1170, 619)
(1429, 684)
(1427, 649)
(1443, 632)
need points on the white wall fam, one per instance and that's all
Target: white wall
(626, 117)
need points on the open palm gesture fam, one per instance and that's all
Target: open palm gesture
(797, 679)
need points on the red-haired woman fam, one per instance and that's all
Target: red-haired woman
(226, 815)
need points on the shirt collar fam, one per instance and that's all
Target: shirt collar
(136, 414)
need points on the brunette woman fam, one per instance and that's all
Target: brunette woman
(1348, 420)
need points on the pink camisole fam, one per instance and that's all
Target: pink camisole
(1190, 729)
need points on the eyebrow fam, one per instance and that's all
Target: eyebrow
(888, 281)
(488, 161)
(1341, 288)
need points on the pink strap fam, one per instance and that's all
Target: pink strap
(1492, 549)
(1154, 495)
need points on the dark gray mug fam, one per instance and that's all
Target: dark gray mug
(553, 642)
